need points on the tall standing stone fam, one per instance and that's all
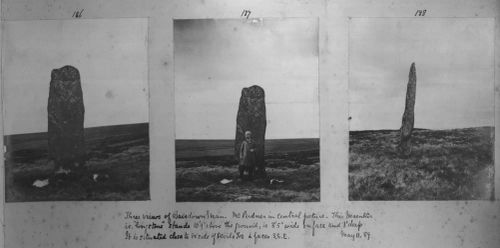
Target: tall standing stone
(65, 119)
(408, 116)
(252, 117)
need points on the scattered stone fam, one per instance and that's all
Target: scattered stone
(225, 181)
(41, 183)
(65, 119)
(275, 181)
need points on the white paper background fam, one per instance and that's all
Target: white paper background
(398, 224)
(110, 54)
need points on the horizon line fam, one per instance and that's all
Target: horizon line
(264, 139)
(418, 128)
(91, 127)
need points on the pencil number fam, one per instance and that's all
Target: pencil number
(246, 13)
(77, 14)
(420, 12)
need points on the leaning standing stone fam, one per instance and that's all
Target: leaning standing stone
(252, 117)
(408, 116)
(65, 119)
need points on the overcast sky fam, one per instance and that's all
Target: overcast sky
(454, 65)
(215, 59)
(111, 56)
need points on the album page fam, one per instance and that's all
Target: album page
(226, 123)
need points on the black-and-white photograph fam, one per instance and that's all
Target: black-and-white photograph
(247, 110)
(421, 109)
(75, 97)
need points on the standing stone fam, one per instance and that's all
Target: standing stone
(408, 116)
(252, 117)
(65, 119)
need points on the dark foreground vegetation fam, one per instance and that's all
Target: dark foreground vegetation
(292, 168)
(444, 165)
(117, 167)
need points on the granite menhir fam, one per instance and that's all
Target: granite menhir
(65, 119)
(408, 116)
(252, 117)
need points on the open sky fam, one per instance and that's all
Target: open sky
(111, 55)
(216, 58)
(454, 65)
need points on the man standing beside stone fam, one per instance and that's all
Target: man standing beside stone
(247, 156)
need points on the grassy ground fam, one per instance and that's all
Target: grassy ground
(198, 178)
(118, 155)
(444, 165)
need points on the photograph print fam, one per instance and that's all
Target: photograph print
(75, 104)
(246, 110)
(421, 109)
